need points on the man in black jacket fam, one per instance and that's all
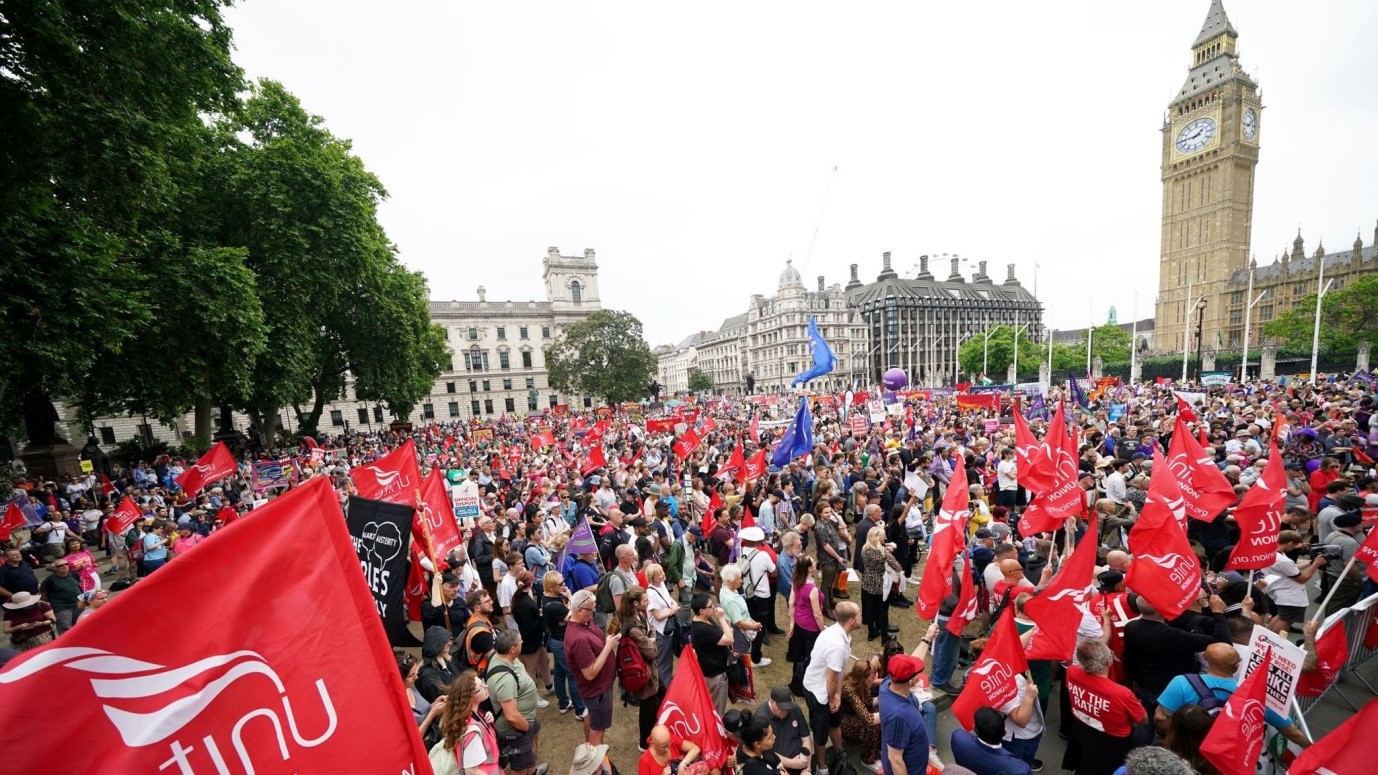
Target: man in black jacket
(437, 669)
(481, 554)
(1156, 652)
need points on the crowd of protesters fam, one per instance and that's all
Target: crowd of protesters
(689, 549)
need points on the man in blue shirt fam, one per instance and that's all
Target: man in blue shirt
(982, 753)
(1222, 661)
(903, 736)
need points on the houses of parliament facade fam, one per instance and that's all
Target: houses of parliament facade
(1211, 139)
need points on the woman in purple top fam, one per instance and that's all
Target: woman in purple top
(805, 621)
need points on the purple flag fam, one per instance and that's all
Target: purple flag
(1078, 395)
(1364, 376)
(581, 540)
(1038, 409)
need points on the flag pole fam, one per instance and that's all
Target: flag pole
(1320, 609)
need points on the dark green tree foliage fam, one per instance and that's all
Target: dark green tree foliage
(604, 355)
(700, 381)
(1000, 354)
(1348, 316)
(99, 100)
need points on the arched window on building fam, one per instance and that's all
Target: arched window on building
(576, 292)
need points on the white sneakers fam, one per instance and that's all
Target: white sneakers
(542, 703)
(765, 662)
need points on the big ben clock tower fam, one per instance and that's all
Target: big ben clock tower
(1210, 149)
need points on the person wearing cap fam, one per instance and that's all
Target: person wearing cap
(28, 621)
(904, 743)
(758, 565)
(793, 743)
(591, 760)
(1346, 535)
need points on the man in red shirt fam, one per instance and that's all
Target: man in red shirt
(1327, 472)
(1105, 713)
(667, 750)
(590, 654)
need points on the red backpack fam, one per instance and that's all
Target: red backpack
(631, 667)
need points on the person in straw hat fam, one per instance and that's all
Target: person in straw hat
(28, 621)
(591, 760)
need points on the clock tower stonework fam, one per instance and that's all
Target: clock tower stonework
(1210, 149)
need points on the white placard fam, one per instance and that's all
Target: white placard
(466, 498)
(1283, 672)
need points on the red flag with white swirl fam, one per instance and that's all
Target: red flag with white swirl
(688, 711)
(394, 477)
(281, 666)
(1236, 737)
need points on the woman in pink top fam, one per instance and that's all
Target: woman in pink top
(186, 538)
(805, 621)
(83, 565)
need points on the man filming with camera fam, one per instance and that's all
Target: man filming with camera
(1285, 581)
(1346, 535)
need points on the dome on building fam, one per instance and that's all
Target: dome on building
(790, 276)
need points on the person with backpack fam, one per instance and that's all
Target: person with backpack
(636, 661)
(514, 697)
(474, 647)
(1212, 689)
(617, 582)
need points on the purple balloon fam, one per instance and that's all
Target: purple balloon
(894, 379)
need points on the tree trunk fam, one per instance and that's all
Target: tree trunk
(311, 422)
(268, 426)
(202, 428)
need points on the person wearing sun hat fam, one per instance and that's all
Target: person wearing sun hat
(590, 760)
(28, 621)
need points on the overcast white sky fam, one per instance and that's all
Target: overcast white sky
(690, 144)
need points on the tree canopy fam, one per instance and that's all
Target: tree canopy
(700, 381)
(604, 355)
(1348, 316)
(102, 100)
(998, 354)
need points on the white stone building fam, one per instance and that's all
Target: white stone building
(674, 362)
(777, 341)
(497, 364)
(722, 356)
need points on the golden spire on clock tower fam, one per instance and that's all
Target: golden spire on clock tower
(1210, 149)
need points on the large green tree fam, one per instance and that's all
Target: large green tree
(998, 354)
(604, 355)
(99, 98)
(335, 299)
(1348, 316)
(700, 381)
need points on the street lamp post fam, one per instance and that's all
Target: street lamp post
(1200, 323)
(985, 350)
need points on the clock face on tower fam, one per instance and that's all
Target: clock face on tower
(1196, 135)
(1250, 123)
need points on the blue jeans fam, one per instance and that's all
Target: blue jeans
(930, 722)
(565, 690)
(945, 652)
(1026, 750)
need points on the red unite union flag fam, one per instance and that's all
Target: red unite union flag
(394, 477)
(1060, 607)
(991, 681)
(435, 516)
(281, 666)
(213, 466)
(688, 711)
(1207, 492)
(124, 517)
(1259, 516)
(1165, 570)
(947, 542)
(1236, 739)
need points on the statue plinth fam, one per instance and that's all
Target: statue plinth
(52, 460)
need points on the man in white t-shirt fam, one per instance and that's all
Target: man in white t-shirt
(823, 679)
(507, 588)
(1007, 480)
(1024, 723)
